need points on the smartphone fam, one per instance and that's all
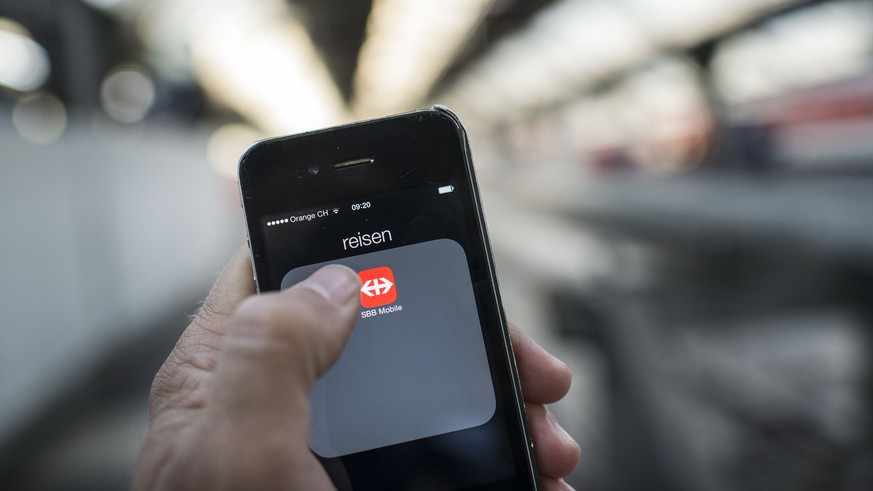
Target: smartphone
(426, 393)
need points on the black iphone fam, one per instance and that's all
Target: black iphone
(425, 395)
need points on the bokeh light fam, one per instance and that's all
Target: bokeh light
(40, 118)
(128, 93)
(24, 64)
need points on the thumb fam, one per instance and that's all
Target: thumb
(279, 343)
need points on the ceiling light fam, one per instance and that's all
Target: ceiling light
(25, 64)
(263, 64)
(675, 23)
(408, 45)
(104, 4)
(564, 48)
(574, 44)
(810, 47)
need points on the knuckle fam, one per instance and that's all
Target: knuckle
(177, 382)
(211, 313)
(159, 392)
(165, 391)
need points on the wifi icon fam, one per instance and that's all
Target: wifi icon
(335, 211)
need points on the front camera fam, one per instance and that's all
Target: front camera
(313, 170)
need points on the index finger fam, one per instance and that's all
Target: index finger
(234, 284)
(195, 354)
(210, 323)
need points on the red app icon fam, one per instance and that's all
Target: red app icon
(377, 287)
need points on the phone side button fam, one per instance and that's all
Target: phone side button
(252, 260)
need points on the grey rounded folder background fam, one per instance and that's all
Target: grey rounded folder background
(410, 374)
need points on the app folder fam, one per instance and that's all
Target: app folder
(407, 373)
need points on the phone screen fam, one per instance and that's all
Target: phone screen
(422, 397)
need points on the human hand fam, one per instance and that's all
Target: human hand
(229, 408)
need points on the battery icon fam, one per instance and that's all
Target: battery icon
(446, 189)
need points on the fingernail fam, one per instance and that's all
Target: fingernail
(338, 284)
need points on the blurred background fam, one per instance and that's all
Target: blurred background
(679, 193)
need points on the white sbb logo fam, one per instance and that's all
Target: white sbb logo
(377, 286)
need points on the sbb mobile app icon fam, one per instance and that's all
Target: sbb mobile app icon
(377, 287)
